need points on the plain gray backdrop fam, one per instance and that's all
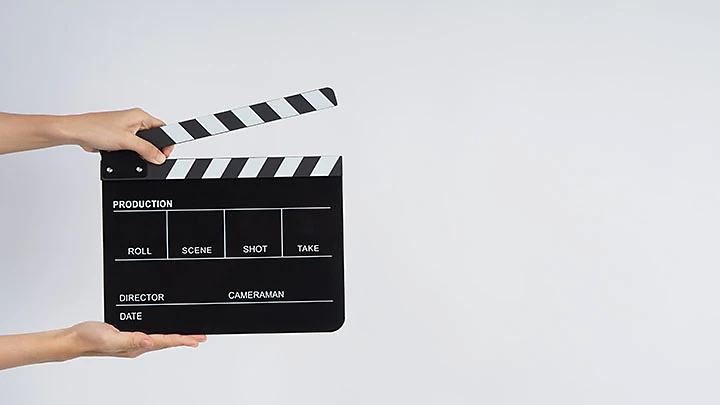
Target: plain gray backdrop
(531, 194)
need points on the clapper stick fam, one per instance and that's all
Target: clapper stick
(241, 117)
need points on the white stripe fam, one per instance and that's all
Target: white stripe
(317, 99)
(212, 124)
(288, 166)
(165, 304)
(252, 167)
(228, 209)
(167, 234)
(155, 259)
(324, 166)
(177, 133)
(216, 168)
(282, 108)
(247, 116)
(180, 169)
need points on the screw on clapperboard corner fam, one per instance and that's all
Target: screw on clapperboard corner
(109, 169)
(139, 169)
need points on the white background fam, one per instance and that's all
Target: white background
(531, 194)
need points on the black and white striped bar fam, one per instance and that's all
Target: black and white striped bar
(241, 117)
(248, 167)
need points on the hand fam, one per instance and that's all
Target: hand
(102, 339)
(115, 130)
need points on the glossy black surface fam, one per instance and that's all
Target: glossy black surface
(227, 222)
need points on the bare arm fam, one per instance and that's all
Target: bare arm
(84, 340)
(111, 130)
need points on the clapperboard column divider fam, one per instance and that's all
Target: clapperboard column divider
(167, 234)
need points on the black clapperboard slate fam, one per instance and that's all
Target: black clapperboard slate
(224, 245)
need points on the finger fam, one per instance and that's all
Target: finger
(138, 340)
(162, 341)
(167, 341)
(183, 340)
(90, 150)
(168, 150)
(144, 148)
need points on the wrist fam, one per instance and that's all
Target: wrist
(65, 344)
(61, 129)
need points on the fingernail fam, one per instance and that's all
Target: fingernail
(160, 157)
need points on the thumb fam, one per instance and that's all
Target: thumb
(145, 149)
(151, 122)
(145, 120)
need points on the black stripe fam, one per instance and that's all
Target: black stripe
(230, 120)
(156, 136)
(337, 169)
(234, 167)
(330, 94)
(198, 168)
(299, 103)
(160, 171)
(270, 167)
(195, 129)
(265, 112)
(306, 166)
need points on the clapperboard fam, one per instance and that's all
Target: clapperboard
(224, 245)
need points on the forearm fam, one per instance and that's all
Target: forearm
(21, 132)
(34, 348)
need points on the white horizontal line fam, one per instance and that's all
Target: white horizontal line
(306, 208)
(221, 258)
(230, 209)
(168, 304)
